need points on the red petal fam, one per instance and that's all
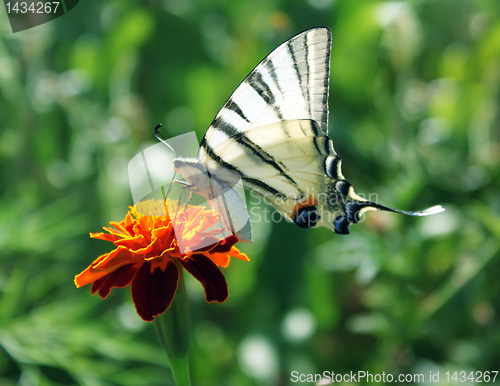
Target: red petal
(209, 275)
(152, 293)
(119, 278)
(200, 245)
(225, 245)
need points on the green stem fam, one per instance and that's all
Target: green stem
(172, 329)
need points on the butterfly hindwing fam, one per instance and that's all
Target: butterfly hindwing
(298, 165)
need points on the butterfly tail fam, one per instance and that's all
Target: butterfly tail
(427, 212)
(355, 209)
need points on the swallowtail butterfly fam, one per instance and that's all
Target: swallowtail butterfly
(273, 134)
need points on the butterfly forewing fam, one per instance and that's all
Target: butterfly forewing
(290, 83)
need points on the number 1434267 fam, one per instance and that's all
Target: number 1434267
(473, 376)
(39, 7)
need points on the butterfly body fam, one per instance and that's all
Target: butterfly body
(273, 134)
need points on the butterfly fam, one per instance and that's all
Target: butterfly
(272, 134)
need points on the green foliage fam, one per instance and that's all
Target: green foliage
(414, 115)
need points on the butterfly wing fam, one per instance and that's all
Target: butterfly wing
(290, 83)
(273, 129)
(273, 132)
(299, 171)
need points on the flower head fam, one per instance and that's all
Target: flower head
(147, 256)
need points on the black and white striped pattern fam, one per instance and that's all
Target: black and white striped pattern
(273, 129)
(291, 83)
(273, 133)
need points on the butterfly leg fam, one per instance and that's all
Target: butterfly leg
(225, 224)
(188, 197)
(189, 191)
(222, 218)
(214, 202)
(216, 210)
(185, 187)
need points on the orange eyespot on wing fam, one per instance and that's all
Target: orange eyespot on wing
(305, 214)
(308, 201)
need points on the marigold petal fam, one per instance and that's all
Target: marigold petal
(209, 275)
(199, 224)
(223, 259)
(133, 243)
(128, 220)
(225, 245)
(104, 236)
(152, 292)
(114, 231)
(156, 246)
(196, 220)
(163, 236)
(121, 227)
(119, 278)
(235, 252)
(138, 229)
(219, 259)
(115, 259)
(105, 264)
(200, 245)
(83, 277)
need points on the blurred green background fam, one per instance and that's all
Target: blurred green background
(414, 105)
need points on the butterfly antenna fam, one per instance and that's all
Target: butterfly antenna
(160, 138)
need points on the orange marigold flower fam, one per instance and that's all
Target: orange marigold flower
(147, 252)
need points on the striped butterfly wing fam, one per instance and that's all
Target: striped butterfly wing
(290, 83)
(302, 182)
(273, 129)
(273, 132)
